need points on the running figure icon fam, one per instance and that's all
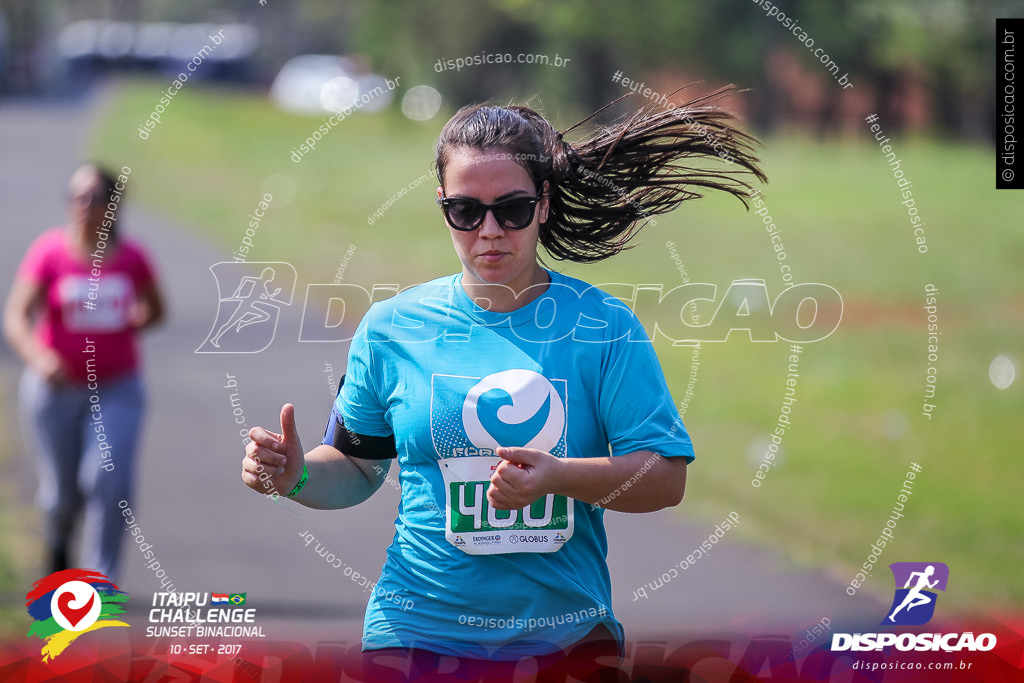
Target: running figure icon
(915, 597)
(251, 309)
(250, 300)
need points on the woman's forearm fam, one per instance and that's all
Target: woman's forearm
(336, 481)
(18, 326)
(641, 481)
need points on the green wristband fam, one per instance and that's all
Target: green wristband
(302, 482)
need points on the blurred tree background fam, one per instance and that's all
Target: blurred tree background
(920, 64)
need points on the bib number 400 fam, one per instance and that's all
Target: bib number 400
(471, 512)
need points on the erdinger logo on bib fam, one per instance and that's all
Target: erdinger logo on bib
(470, 417)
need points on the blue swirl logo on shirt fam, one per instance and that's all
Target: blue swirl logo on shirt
(519, 434)
(517, 407)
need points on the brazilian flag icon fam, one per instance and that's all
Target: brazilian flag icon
(237, 598)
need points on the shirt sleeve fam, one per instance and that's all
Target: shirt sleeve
(636, 406)
(37, 266)
(140, 269)
(359, 402)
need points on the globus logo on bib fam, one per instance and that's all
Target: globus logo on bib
(523, 538)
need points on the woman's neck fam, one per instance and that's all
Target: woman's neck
(84, 240)
(504, 298)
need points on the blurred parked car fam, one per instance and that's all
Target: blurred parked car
(314, 84)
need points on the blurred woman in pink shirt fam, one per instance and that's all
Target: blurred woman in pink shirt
(79, 297)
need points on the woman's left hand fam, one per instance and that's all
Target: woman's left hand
(523, 476)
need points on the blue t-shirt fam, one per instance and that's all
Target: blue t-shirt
(572, 373)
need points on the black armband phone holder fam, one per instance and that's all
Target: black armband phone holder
(357, 445)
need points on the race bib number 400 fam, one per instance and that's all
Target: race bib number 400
(473, 526)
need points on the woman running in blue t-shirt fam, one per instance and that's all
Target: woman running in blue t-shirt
(519, 402)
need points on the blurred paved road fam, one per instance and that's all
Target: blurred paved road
(211, 534)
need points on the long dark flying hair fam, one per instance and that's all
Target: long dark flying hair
(605, 187)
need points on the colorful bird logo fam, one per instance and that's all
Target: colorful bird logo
(68, 603)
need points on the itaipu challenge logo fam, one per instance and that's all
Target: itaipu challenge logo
(70, 603)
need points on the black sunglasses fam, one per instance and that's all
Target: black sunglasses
(468, 214)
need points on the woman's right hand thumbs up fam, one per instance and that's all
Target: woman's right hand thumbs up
(273, 462)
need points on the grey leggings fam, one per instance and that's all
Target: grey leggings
(82, 461)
